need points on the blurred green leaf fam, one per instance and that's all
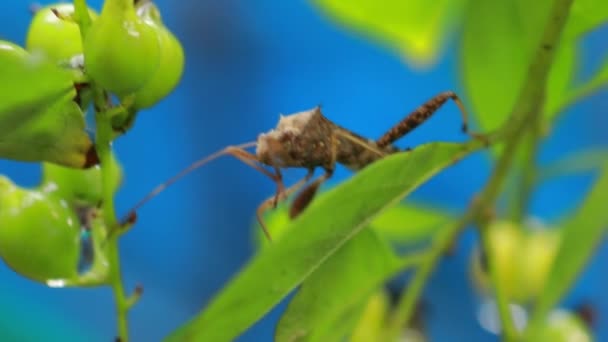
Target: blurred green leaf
(560, 79)
(598, 81)
(39, 121)
(405, 223)
(409, 223)
(579, 162)
(498, 41)
(497, 51)
(330, 221)
(372, 324)
(415, 28)
(581, 234)
(337, 289)
(585, 15)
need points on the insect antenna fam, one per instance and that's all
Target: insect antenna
(197, 164)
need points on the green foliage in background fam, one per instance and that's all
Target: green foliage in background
(518, 72)
(519, 65)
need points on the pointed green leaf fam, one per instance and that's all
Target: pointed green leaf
(560, 79)
(579, 162)
(415, 28)
(406, 223)
(496, 53)
(329, 222)
(581, 235)
(372, 324)
(585, 16)
(409, 223)
(338, 287)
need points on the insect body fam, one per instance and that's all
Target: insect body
(309, 140)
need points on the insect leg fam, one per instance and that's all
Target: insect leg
(304, 198)
(421, 114)
(272, 202)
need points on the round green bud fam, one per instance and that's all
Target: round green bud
(57, 37)
(39, 234)
(523, 260)
(171, 66)
(121, 51)
(12, 50)
(78, 186)
(563, 326)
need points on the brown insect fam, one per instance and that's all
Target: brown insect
(309, 140)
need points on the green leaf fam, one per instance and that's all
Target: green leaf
(585, 15)
(337, 289)
(560, 79)
(581, 234)
(320, 231)
(499, 39)
(409, 223)
(406, 223)
(39, 121)
(372, 324)
(579, 162)
(415, 28)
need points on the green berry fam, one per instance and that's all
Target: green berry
(39, 234)
(58, 38)
(121, 51)
(80, 187)
(11, 50)
(523, 260)
(563, 326)
(537, 255)
(505, 240)
(171, 66)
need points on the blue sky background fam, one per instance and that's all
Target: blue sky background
(248, 61)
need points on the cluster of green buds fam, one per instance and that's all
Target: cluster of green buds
(125, 52)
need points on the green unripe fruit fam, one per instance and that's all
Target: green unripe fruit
(57, 38)
(39, 234)
(537, 255)
(504, 239)
(77, 186)
(523, 260)
(12, 50)
(121, 51)
(372, 323)
(171, 66)
(563, 326)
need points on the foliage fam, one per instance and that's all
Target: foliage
(518, 64)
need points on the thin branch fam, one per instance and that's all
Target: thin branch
(527, 108)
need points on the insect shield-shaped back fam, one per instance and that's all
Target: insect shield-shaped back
(299, 140)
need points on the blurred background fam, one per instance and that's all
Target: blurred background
(248, 62)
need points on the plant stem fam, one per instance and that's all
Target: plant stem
(529, 168)
(117, 287)
(407, 303)
(527, 109)
(104, 150)
(105, 239)
(118, 7)
(82, 16)
(103, 140)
